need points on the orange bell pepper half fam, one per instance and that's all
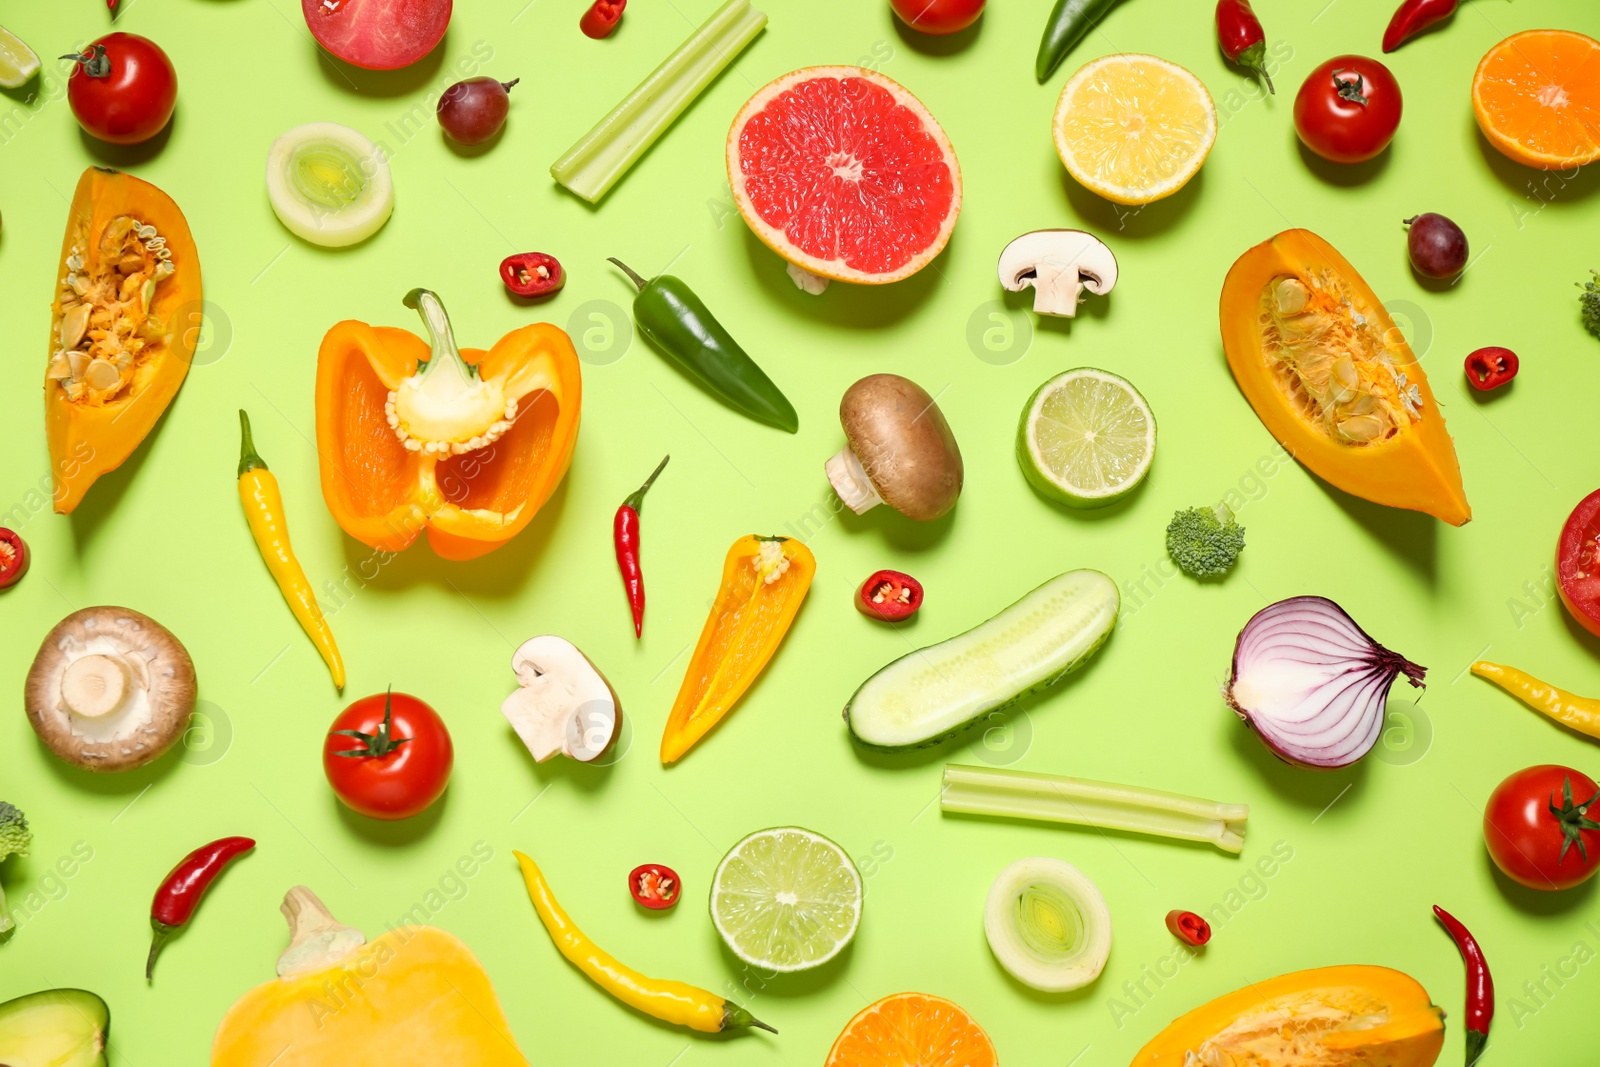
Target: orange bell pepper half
(764, 580)
(466, 444)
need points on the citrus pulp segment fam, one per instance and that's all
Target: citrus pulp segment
(913, 1030)
(786, 899)
(1536, 96)
(1087, 438)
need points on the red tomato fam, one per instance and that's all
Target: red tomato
(1348, 109)
(1578, 563)
(388, 756)
(938, 16)
(123, 89)
(1537, 827)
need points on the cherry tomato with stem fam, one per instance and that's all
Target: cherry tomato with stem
(388, 756)
(1538, 830)
(1348, 109)
(122, 89)
(938, 17)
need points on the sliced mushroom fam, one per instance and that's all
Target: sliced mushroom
(110, 689)
(1059, 264)
(899, 450)
(563, 705)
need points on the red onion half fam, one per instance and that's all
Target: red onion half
(1312, 684)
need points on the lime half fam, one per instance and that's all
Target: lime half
(17, 61)
(786, 899)
(1086, 439)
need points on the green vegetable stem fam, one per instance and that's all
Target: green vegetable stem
(676, 321)
(1070, 20)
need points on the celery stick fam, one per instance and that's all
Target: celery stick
(1052, 798)
(603, 155)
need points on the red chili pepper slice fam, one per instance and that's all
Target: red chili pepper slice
(13, 558)
(532, 274)
(180, 892)
(1188, 927)
(1490, 368)
(654, 886)
(890, 596)
(601, 18)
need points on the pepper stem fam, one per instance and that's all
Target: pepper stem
(636, 501)
(733, 1016)
(248, 460)
(162, 932)
(1255, 58)
(440, 336)
(640, 282)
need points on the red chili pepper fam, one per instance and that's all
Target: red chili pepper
(1188, 927)
(13, 558)
(1414, 16)
(1242, 38)
(1490, 368)
(532, 274)
(180, 892)
(1480, 986)
(654, 886)
(601, 18)
(625, 537)
(890, 596)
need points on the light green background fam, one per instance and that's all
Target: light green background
(1372, 846)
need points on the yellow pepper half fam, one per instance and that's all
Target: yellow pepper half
(1578, 713)
(673, 1002)
(263, 510)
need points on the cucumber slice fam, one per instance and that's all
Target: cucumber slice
(922, 698)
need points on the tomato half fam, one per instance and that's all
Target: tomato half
(123, 89)
(388, 756)
(938, 17)
(1537, 827)
(1578, 563)
(1348, 109)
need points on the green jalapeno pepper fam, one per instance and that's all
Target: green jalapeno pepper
(1070, 20)
(672, 317)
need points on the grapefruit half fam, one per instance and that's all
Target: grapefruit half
(377, 34)
(843, 173)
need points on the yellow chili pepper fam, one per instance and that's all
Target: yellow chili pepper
(673, 1002)
(1580, 713)
(263, 510)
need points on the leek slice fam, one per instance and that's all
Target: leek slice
(328, 184)
(1048, 924)
(603, 155)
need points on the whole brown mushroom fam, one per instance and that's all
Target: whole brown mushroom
(110, 690)
(899, 450)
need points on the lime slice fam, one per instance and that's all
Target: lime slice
(17, 61)
(786, 899)
(1087, 438)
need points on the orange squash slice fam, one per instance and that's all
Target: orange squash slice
(1350, 1016)
(123, 326)
(1332, 378)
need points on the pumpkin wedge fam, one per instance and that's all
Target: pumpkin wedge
(1350, 1016)
(415, 997)
(123, 326)
(1332, 378)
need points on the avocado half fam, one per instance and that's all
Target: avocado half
(58, 1027)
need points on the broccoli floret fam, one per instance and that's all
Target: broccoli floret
(15, 837)
(1205, 542)
(1591, 304)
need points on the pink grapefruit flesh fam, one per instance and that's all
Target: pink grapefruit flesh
(377, 34)
(843, 173)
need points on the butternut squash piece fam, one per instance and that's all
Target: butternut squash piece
(415, 997)
(123, 326)
(1332, 378)
(1350, 1016)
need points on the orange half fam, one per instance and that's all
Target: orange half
(1536, 96)
(913, 1030)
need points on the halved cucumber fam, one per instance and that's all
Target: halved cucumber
(924, 697)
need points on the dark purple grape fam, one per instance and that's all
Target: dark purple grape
(1438, 247)
(473, 111)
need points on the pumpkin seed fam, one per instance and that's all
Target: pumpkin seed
(1291, 296)
(1361, 428)
(102, 375)
(73, 324)
(59, 368)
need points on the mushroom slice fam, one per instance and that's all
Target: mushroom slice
(563, 706)
(111, 689)
(899, 450)
(1059, 264)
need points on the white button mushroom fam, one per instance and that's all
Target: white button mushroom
(111, 689)
(899, 450)
(1059, 264)
(563, 706)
